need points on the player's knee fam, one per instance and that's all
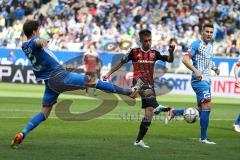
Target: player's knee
(46, 116)
(46, 110)
(148, 95)
(206, 106)
(91, 81)
(149, 113)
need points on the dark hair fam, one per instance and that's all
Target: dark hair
(234, 42)
(210, 25)
(144, 32)
(30, 26)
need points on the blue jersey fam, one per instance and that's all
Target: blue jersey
(42, 59)
(201, 55)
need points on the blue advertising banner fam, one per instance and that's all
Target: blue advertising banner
(17, 57)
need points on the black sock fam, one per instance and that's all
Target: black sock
(143, 129)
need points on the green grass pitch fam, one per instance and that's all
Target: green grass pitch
(111, 136)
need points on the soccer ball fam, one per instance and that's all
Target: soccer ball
(191, 115)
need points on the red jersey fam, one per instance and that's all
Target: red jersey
(144, 62)
(91, 62)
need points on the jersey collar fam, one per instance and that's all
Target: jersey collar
(144, 50)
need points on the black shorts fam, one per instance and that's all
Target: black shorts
(147, 101)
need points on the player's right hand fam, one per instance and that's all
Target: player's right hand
(106, 76)
(198, 75)
(171, 48)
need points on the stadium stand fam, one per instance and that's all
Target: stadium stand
(75, 24)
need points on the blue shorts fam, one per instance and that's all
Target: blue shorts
(202, 90)
(61, 81)
(49, 97)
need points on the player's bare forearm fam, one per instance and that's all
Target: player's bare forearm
(236, 72)
(113, 69)
(116, 67)
(171, 55)
(188, 64)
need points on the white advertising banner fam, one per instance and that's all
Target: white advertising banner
(170, 83)
(220, 86)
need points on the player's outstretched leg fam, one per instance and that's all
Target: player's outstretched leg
(236, 125)
(72, 81)
(109, 87)
(173, 113)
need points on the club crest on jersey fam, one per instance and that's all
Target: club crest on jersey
(152, 55)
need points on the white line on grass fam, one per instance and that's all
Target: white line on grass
(112, 118)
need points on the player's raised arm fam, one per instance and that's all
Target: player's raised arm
(113, 69)
(118, 65)
(171, 51)
(168, 58)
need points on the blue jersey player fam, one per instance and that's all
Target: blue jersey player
(201, 54)
(46, 67)
(236, 125)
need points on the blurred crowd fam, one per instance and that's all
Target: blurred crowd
(112, 25)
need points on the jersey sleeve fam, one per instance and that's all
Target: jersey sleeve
(127, 57)
(193, 49)
(161, 57)
(38, 40)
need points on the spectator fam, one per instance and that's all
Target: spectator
(233, 50)
(81, 23)
(11, 58)
(2, 22)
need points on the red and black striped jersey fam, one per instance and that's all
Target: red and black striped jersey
(144, 62)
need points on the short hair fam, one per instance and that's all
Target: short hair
(144, 32)
(30, 26)
(210, 25)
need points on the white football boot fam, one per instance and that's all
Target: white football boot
(206, 141)
(141, 144)
(236, 127)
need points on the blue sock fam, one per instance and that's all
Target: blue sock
(238, 120)
(177, 112)
(34, 122)
(106, 86)
(204, 120)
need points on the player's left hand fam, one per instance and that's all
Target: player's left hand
(237, 83)
(171, 48)
(217, 71)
